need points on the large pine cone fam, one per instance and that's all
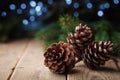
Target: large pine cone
(59, 57)
(97, 53)
(82, 36)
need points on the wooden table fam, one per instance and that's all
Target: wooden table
(23, 60)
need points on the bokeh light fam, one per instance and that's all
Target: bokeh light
(116, 1)
(40, 4)
(32, 18)
(32, 3)
(68, 2)
(4, 13)
(76, 5)
(19, 11)
(107, 5)
(76, 14)
(12, 7)
(25, 22)
(44, 9)
(23, 6)
(38, 8)
(100, 13)
(89, 5)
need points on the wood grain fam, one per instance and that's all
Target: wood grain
(31, 65)
(107, 72)
(10, 54)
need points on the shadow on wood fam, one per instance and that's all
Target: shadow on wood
(106, 69)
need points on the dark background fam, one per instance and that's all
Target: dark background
(23, 20)
(58, 7)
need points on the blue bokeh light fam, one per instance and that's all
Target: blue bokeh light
(12, 7)
(3, 14)
(39, 13)
(68, 2)
(37, 8)
(76, 14)
(32, 18)
(25, 22)
(44, 9)
(23, 6)
(89, 5)
(50, 2)
(100, 13)
(107, 5)
(40, 4)
(19, 11)
(76, 5)
(32, 11)
(116, 1)
(32, 3)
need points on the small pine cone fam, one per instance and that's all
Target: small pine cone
(97, 53)
(82, 36)
(59, 57)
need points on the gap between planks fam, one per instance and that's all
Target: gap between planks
(22, 53)
(9, 54)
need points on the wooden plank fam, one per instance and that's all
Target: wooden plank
(9, 56)
(108, 72)
(31, 65)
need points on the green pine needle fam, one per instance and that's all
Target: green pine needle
(101, 36)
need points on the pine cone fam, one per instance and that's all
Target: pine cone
(80, 39)
(82, 36)
(59, 57)
(97, 53)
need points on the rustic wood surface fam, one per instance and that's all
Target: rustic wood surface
(23, 60)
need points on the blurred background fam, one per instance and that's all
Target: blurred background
(51, 20)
